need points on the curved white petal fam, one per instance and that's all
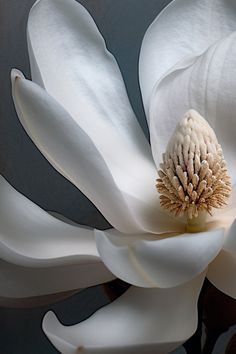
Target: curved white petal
(221, 273)
(208, 86)
(123, 189)
(87, 82)
(158, 262)
(143, 321)
(41, 254)
(86, 79)
(184, 29)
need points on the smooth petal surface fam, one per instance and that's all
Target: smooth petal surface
(86, 79)
(143, 321)
(124, 191)
(41, 254)
(166, 262)
(87, 82)
(183, 30)
(207, 86)
(221, 273)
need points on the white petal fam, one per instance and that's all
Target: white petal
(221, 273)
(87, 82)
(158, 262)
(86, 79)
(41, 254)
(143, 321)
(122, 189)
(207, 86)
(184, 29)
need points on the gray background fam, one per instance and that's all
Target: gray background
(123, 24)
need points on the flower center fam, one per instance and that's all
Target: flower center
(193, 176)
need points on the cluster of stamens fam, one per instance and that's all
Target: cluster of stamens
(193, 176)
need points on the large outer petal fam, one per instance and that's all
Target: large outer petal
(78, 71)
(121, 186)
(143, 321)
(208, 86)
(149, 261)
(74, 66)
(184, 29)
(41, 254)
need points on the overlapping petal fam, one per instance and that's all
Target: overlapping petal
(143, 321)
(78, 114)
(205, 86)
(182, 31)
(41, 254)
(124, 190)
(65, 46)
(152, 261)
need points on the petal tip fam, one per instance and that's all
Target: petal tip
(99, 234)
(58, 336)
(49, 322)
(16, 75)
(35, 3)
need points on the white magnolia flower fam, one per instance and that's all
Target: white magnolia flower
(77, 112)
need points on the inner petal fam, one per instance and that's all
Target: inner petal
(163, 262)
(208, 86)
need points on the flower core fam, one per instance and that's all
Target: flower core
(193, 176)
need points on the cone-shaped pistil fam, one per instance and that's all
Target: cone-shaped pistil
(193, 176)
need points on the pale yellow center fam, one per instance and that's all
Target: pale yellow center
(193, 177)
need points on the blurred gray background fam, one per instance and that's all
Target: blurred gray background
(123, 24)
